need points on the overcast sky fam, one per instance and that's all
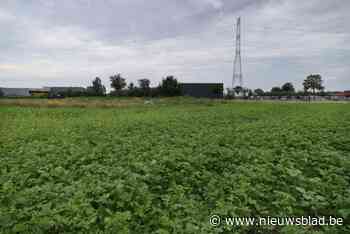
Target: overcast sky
(69, 42)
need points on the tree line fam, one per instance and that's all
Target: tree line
(312, 85)
(168, 87)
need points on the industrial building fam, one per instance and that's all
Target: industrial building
(39, 92)
(15, 92)
(345, 94)
(202, 90)
(59, 90)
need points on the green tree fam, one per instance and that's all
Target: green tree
(131, 86)
(1, 93)
(144, 84)
(117, 82)
(238, 90)
(288, 88)
(230, 94)
(132, 91)
(313, 83)
(97, 88)
(170, 87)
(259, 92)
(276, 90)
(247, 92)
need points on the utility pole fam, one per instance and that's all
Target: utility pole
(237, 79)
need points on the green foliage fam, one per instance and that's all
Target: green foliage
(314, 83)
(131, 86)
(97, 88)
(1, 93)
(288, 88)
(117, 82)
(170, 87)
(70, 92)
(144, 84)
(276, 90)
(259, 92)
(230, 93)
(248, 92)
(238, 90)
(165, 168)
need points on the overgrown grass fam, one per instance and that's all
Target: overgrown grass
(115, 102)
(71, 102)
(166, 167)
(102, 102)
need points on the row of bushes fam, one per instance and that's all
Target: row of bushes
(167, 88)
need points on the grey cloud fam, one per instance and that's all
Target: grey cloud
(118, 20)
(49, 41)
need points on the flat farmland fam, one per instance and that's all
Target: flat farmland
(167, 167)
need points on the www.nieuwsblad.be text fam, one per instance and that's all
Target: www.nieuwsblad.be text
(216, 220)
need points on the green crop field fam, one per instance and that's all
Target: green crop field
(167, 167)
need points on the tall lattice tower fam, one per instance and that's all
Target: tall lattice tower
(237, 64)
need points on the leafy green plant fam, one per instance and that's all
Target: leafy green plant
(166, 168)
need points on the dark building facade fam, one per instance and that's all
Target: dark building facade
(203, 90)
(15, 92)
(60, 92)
(41, 92)
(56, 90)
